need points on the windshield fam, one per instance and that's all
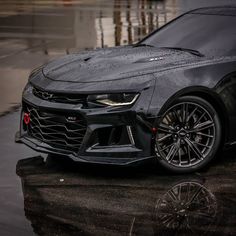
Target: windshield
(208, 34)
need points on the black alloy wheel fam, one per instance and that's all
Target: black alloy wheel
(188, 135)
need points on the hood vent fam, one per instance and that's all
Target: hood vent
(87, 59)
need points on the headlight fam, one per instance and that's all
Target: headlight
(28, 88)
(118, 99)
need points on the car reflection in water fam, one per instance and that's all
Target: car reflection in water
(63, 199)
(188, 207)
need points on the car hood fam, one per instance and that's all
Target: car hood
(115, 63)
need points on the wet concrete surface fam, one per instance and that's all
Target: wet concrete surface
(45, 196)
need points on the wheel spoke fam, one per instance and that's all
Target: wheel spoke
(205, 125)
(164, 137)
(206, 135)
(168, 146)
(172, 152)
(194, 148)
(168, 118)
(179, 152)
(199, 119)
(176, 116)
(195, 195)
(201, 144)
(184, 112)
(189, 155)
(199, 214)
(165, 128)
(191, 114)
(172, 195)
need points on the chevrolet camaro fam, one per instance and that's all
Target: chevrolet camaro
(170, 97)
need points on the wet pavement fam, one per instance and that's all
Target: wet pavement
(62, 198)
(44, 196)
(56, 196)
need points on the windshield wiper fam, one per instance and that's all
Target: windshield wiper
(143, 45)
(192, 51)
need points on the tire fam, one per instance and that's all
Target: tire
(188, 135)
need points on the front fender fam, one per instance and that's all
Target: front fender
(181, 81)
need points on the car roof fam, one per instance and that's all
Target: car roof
(217, 10)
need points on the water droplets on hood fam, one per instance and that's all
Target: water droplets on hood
(114, 63)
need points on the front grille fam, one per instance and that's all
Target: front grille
(60, 97)
(58, 130)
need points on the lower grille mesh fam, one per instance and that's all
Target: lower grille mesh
(59, 131)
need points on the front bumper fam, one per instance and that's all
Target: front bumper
(45, 148)
(137, 147)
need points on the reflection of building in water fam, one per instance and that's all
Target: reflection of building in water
(84, 29)
(64, 26)
(60, 27)
(132, 20)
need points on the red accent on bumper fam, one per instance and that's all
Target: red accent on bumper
(26, 118)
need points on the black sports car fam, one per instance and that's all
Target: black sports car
(172, 97)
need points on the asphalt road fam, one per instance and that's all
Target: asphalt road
(54, 196)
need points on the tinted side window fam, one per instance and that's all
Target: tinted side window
(209, 34)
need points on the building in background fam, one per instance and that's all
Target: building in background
(65, 26)
(32, 32)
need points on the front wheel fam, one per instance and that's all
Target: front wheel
(188, 135)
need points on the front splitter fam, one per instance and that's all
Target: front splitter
(45, 148)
